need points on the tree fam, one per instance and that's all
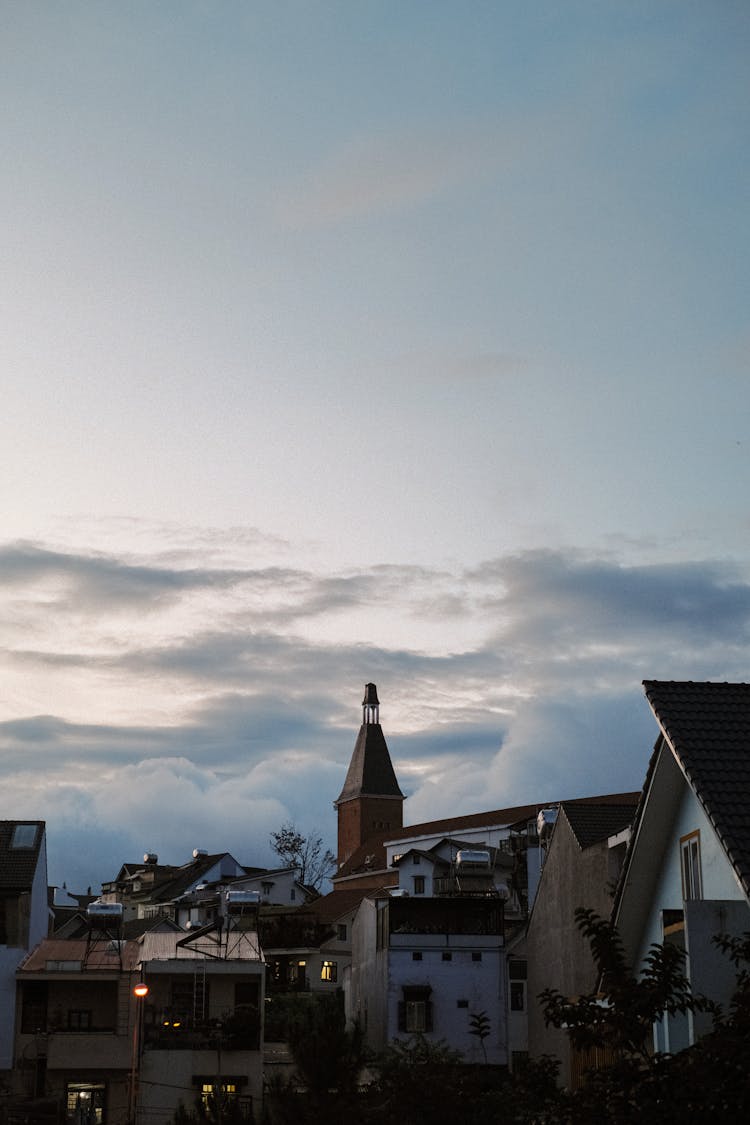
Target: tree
(479, 1027)
(705, 1082)
(315, 862)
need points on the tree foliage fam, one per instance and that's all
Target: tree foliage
(315, 862)
(703, 1082)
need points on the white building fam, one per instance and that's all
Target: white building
(687, 873)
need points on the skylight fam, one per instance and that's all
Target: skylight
(24, 836)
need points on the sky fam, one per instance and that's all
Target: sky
(402, 342)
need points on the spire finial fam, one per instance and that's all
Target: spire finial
(370, 705)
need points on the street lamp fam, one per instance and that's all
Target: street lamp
(140, 992)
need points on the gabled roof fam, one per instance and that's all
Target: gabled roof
(18, 861)
(707, 726)
(370, 770)
(591, 824)
(329, 908)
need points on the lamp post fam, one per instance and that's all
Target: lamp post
(140, 992)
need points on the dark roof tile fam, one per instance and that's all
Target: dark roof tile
(708, 726)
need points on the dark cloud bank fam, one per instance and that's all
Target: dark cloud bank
(545, 703)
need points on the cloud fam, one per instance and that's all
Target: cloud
(232, 703)
(379, 173)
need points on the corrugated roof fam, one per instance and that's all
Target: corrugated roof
(164, 947)
(73, 949)
(591, 823)
(708, 726)
(18, 864)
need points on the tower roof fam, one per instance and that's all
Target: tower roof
(370, 771)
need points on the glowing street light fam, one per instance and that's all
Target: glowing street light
(140, 991)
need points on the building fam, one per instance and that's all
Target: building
(86, 1041)
(150, 890)
(370, 801)
(686, 876)
(584, 848)
(24, 913)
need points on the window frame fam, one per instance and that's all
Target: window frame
(691, 872)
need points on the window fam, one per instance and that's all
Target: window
(462, 1003)
(266, 889)
(419, 884)
(235, 1104)
(34, 1007)
(416, 859)
(476, 955)
(292, 895)
(415, 1010)
(517, 973)
(517, 996)
(341, 931)
(329, 971)
(85, 1103)
(690, 852)
(24, 836)
(79, 1020)
(416, 956)
(447, 956)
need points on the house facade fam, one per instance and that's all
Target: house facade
(24, 914)
(687, 873)
(87, 1042)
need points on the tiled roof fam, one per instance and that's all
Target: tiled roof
(332, 906)
(370, 770)
(592, 823)
(708, 727)
(374, 846)
(18, 864)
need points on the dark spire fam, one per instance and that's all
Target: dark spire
(370, 771)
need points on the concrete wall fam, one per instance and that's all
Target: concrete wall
(460, 988)
(558, 956)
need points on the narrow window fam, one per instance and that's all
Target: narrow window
(690, 852)
(419, 884)
(341, 931)
(329, 971)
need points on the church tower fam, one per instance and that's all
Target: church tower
(371, 800)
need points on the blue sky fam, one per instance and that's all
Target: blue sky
(391, 341)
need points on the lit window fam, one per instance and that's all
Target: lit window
(85, 1103)
(690, 851)
(329, 971)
